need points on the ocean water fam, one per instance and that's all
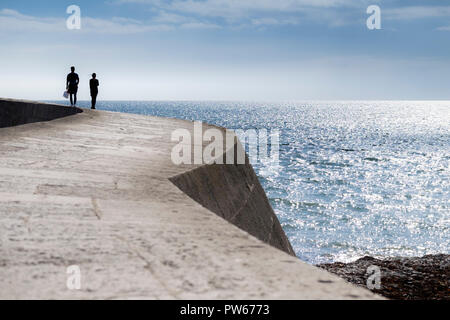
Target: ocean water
(354, 178)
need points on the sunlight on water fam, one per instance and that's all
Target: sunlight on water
(355, 179)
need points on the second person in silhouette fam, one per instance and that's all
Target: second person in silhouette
(93, 84)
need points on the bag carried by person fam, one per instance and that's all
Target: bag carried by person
(66, 94)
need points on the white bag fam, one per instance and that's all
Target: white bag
(66, 94)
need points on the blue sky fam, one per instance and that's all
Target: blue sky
(228, 49)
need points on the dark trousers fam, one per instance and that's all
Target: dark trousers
(94, 99)
(73, 99)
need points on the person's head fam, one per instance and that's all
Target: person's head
(72, 68)
(94, 76)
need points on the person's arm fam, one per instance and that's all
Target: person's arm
(67, 82)
(78, 80)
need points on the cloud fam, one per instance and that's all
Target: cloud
(214, 14)
(183, 22)
(171, 18)
(256, 13)
(274, 22)
(416, 12)
(208, 6)
(120, 26)
(199, 25)
(228, 8)
(194, 14)
(251, 12)
(447, 28)
(13, 21)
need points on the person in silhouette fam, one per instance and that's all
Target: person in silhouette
(93, 84)
(72, 86)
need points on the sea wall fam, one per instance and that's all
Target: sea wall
(234, 193)
(15, 112)
(99, 191)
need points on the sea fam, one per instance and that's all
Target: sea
(354, 178)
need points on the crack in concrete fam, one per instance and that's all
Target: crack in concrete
(148, 266)
(252, 187)
(26, 221)
(96, 209)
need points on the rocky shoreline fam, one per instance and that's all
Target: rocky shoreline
(425, 278)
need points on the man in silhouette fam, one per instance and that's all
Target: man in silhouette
(93, 84)
(72, 86)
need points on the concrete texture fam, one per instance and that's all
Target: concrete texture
(94, 190)
(234, 193)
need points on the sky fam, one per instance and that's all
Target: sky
(253, 50)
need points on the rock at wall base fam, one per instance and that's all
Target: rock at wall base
(425, 278)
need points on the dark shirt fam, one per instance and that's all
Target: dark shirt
(73, 80)
(93, 83)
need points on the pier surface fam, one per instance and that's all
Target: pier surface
(98, 190)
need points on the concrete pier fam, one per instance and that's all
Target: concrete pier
(99, 190)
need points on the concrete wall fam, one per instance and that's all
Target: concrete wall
(14, 112)
(234, 193)
(97, 191)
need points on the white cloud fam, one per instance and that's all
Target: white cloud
(190, 14)
(181, 21)
(447, 28)
(273, 12)
(251, 12)
(199, 25)
(172, 18)
(274, 22)
(13, 21)
(416, 12)
(214, 14)
(278, 5)
(236, 8)
(120, 26)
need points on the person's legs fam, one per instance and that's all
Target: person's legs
(75, 99)
(71, 99)
(94, 101)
